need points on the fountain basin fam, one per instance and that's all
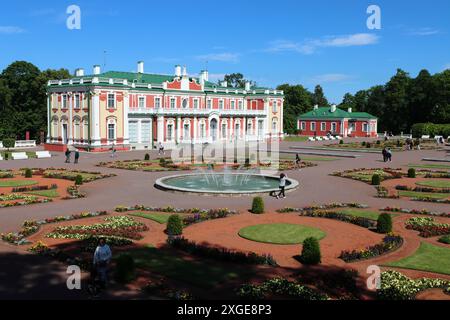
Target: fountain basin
(223, 183)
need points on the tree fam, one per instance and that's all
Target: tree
(348, 102)
(237, 80)
(396, 98)
(297, 100)
(318, 97)
(421, 102)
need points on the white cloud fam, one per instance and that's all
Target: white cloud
(310, 46)
(332, 77)
(10, 30)
(422, 32)
(222, 57)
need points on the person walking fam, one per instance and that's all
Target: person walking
(298, 161)
(102, 258)
(384, 152)
(282, 186)
(77, 155)
(113, 151)
(67, 153)
(389, 155)
(160, 149)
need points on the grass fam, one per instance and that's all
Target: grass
(308, 158)
(296, 139)
(29, 154)
(432, 195)
(280, 233)
(16, 183)
(430, 166)
(195, 272)
(427, 258)
(373, 215)
(52, 193)
(434, 183)
(161, 218)
(445, 239)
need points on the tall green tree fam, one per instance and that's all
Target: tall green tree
(297, 100)
(318, 97)
(348, 102)
(397, 100)
(237, 80)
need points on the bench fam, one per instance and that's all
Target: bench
(43, 154)
(425, 137)
(19, 155)
(311, 139)
(25, 144)
(1, 158)
(1, 144)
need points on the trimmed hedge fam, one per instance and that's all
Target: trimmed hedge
(431, 129)
(258, 205)
(376, 179)
(147, 157)
(311, 252)
(125, 268)
(174, 225)
(384, 223)
(28, 173)
(411, 173)
(79, 180)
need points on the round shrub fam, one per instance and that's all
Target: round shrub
(28, 173)
(368, 145)
(174, 225)
(125, 268)
(384, 223)
(147, 157)
(258, 205)
(378, 142)
(341, 141)
(363, 143)
(162, 162)
(376, 179)
(411, 173)
(79, 180)
(311, 252)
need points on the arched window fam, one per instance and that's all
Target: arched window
(111, 129)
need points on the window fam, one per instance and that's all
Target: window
(241, 104)
(141, 102)
(224, 130)
(64, 101)
(220, 104)
(260, 128)
(185, 103)
(202, 130)
(85, 130)
(169, 132)
(195, 103)
(157, 103)
(303, 125)
(365, 127)
(313, 126)
(172, 103)
(186, 134)
(111, 131)
(111, 101)
(133, 131)
(323, 126)
(274, 106)
(76, 133)
(77, 101)
(334, 127)
(274, 126)
(209, 103)
(146, 130)
(233, 104)
(352, 126)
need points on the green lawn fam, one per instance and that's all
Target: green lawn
(430, 166)
(52, 193)
(435, 183)
(196, 272)
(373, 215)
(427, 258)
(292, 157)
(414, 194)
(280, 233)
(445, 239)
(158, 217)
(296, 139)
(16, 183)
(29, 154)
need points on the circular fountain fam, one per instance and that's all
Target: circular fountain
(223, 183)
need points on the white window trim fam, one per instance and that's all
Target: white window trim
(64, 98)
(303, 125)
(155, 104)
(223, 104)
(311, 125)
(174, 103)
(323, 126)
(115, 100)
(139, 100)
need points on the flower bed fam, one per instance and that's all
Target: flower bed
(5, 174)
(396, 286)
(390, 243)
(335, 205)
(26, 200)
(382, 192)
(279, 287)
(145, 165)
(428, 199)
(63, 173)
(117, 226)
(74, 193)
(221, 254)
(422, 189)
(359, 221)
(34, 188)
(30, 227)
(427, 227)
(365, 175)
(418, 212)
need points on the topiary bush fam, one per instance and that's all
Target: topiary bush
(125, 268)
(384, 223)
(311, 252)
(376, 179)
(341, 141)
(174, 225)
(147, 157)
(258, 205)
(411, 173)
(79, 180)
(162, 162)
(28, 173)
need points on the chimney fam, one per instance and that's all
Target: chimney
(184, 71)
(204, 75)
(96, 69)
(333, 108)
(140, 67)
(178, 70)
(247, 86)
(316, 107)
(79, 72)
(224, 83)
(350, 110)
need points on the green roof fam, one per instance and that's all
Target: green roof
(325, 113)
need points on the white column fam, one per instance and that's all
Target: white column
(49, 119)
(95, 119)
(139, 129)
(231, 128)
(70, 121)
(281, 118)
(126, 109)
(194, 138)
(178, 129)
(160, 129)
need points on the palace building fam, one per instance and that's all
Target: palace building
(137, 110)
(332, 120)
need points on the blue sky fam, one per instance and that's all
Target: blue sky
(271, 42)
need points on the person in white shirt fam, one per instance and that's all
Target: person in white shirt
(102, 258)
(282, 186)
